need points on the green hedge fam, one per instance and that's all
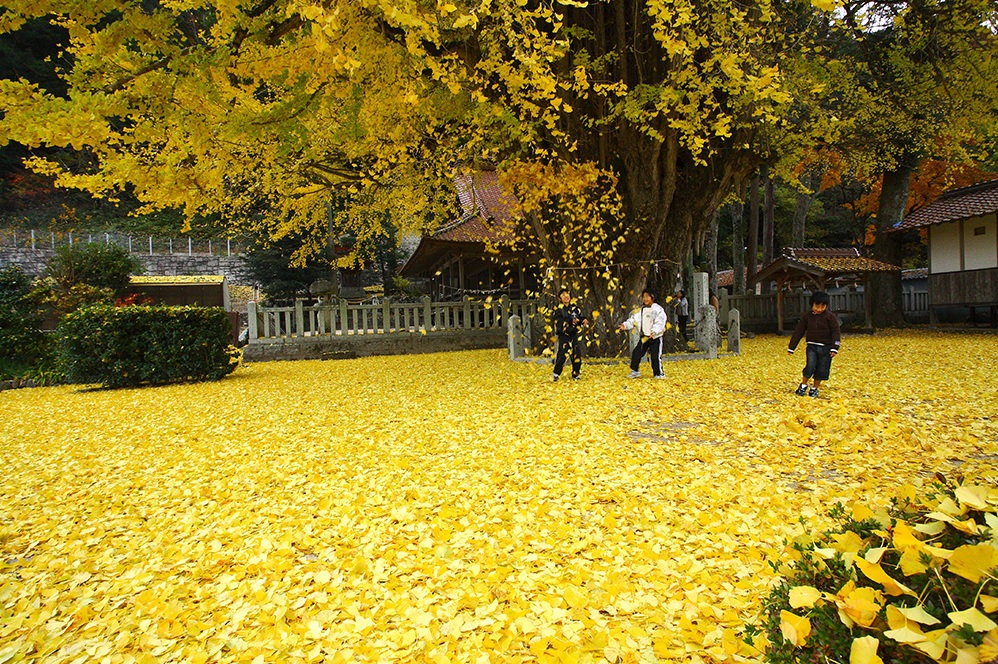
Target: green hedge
(127, 346)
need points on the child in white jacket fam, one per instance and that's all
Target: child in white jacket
(651, 321)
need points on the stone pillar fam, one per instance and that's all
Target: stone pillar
(706, 332)
(515, 337)
(254, 333)
(427, 321)
(698, 294)
(299, 319)
(734, 332)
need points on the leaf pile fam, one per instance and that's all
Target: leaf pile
(455, 507)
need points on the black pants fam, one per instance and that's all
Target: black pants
(568, 345)
(682, 327)
(654, 349)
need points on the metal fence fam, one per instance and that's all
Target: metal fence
(136, 244)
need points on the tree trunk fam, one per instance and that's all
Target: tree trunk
(884, 288)
(738, 244)
(768, 221)
(804, 200)
(715, 222)
(753, 231)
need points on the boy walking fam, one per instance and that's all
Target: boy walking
(567, 321)
(821, 328)
(650, 321)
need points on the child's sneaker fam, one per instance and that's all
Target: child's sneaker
(801, 390)
(576, 376)
(555, 378)
(813, 392)
(634, 374)
(660, 376)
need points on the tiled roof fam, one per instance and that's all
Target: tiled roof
(841, 265)
(964, 203)
(821, 263)
(837, 260)
(487, 211)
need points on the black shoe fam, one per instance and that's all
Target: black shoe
(813, 392)
(556, 377)
(576, 376)
(801, 390)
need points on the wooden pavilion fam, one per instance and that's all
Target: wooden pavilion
(816, 268)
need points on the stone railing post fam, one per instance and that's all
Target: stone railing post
(467, 313)
(515, 337)
(299, 319)
(705, 333)
(427, 320)
(386, 314)
(734, 332)
(254, 332)
(344, 323)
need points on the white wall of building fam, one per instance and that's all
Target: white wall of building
(944, 247)
(980, 243)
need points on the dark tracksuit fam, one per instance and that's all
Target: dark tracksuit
(567, 319)
(823, 339)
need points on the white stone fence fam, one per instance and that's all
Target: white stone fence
(341, 319)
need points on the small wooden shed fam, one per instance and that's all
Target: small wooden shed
(201, 290)
(815, 268)
(963, 246)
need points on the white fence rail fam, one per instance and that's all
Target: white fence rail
(327, 320)
(150, 246)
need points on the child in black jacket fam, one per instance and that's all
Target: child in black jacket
(568, 320)
(821, 327)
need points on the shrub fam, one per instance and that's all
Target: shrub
(97, 265)
(20, 317)
(902, 585)
(127, 346)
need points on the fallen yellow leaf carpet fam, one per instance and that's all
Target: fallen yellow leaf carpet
(457, 506)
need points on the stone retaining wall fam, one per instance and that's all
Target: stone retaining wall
(33, 261)
(362, 345)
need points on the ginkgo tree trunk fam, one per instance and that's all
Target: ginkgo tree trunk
(259, 113)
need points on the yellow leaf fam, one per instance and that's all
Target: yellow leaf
(911, 563)
(904, 538)
(988, 649)
(974, 618)
(934, 644)
(876, 573)
(918, 614)
(795, 628)
(973, 496)
(972, 561)
(575, 597)
(864, 651)
(989, 603)
(906, 635)
(804, 597)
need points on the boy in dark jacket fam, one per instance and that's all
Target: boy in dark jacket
(567, 321)
(821, 328)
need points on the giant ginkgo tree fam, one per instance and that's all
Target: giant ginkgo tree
(620, 125)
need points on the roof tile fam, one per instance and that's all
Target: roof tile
(964, 203)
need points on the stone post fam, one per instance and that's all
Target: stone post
(254, 333)
(386, 314)
(706, 332)
(299, 319)
(734, 332)
(515, 337)
(427, 322)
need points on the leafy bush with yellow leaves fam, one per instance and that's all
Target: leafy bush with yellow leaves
(907, 584)
(126, 346)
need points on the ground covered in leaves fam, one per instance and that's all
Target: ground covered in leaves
(455, 507)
